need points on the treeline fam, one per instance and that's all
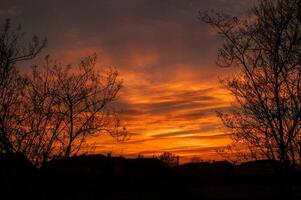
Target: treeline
(101, 177)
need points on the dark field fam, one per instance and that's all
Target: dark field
(100, 177)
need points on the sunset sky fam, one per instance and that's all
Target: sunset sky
(165, 57)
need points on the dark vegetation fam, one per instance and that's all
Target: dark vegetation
(106, 177)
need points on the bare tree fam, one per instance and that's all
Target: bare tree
(84, 96)
(42, 126)
(169, 159)
(12, 51)
(52, 111)
(266, 46)
(67, 105)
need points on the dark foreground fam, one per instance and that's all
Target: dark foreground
(99, 177)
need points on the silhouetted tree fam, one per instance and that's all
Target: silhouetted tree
(168, 158)
(68, 104)
(51, 111)
(12, 51)
(266, 46)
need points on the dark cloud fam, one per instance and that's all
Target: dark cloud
(195, 132)
(171, 103)
(124, 29)
(203, 113)
(190, 150)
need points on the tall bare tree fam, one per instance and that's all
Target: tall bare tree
(13, 51)
(84, 96)
(67, 105)
(266, 46)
